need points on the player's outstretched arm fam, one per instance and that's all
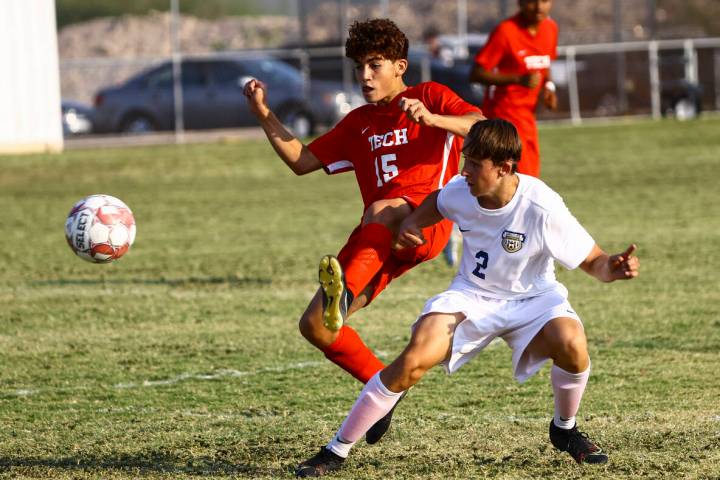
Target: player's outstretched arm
(487, 77)
(608, 268)
(292, 151)
(460, 125)
(410, 231)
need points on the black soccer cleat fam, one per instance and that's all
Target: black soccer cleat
(336, 297)
(577, 444)
(379, 428)
(321, 464)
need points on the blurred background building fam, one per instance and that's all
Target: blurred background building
(30, 93)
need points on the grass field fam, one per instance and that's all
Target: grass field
(183, 359)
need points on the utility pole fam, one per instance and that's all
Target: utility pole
(177, 70)
(619, 58)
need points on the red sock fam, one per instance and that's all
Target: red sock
(350, 353)
(372, 250)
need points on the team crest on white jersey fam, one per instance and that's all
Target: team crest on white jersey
(512, 241)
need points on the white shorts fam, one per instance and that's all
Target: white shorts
(515, 321)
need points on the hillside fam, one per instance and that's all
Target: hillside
(132, 38)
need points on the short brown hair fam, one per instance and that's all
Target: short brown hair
(379, 35)
(496, 139)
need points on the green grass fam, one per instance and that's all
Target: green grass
(183, 359)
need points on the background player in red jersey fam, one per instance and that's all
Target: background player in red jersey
(403, 145)
(515, 67)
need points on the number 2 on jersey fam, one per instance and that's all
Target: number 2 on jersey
(481, 264)
(389, 171)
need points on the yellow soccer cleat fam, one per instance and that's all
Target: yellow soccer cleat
(335, 296)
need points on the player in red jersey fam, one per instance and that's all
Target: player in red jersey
(403, 145)
(515, 67)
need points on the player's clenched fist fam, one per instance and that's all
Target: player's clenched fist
(409, 236)
(625, 265)
(417, 112)
(255, 91)
(530, 80)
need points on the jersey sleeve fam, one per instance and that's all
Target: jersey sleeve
(442, 100)
(493, 51)
(446, 199)
(565, 239)
(331, 149)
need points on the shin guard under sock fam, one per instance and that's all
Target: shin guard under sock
(350, 353)
(373, 403)
(568, 389)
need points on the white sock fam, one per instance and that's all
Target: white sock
(568, 389)
(340, 447)
(373, 403)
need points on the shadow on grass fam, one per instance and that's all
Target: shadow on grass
(155, 462)
(172, 282)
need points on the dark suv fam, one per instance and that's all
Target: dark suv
(212, 97)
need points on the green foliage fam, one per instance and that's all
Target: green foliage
(73, 11)
(183, 359)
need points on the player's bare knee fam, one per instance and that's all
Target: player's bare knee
(305, 326)
(387, 212)
(313, 331)
(572, 351)
(376, 213)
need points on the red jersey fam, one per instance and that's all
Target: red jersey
(512, 49)
(392, 156)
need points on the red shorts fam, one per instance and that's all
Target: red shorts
(400, 261)
(526, 126)
(530, 159)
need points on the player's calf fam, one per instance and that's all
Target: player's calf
(380, 428)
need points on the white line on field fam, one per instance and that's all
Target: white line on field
(222, 373)
(218, 374)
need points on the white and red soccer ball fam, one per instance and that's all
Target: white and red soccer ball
(100, 228)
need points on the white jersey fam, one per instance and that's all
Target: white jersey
(508, 252)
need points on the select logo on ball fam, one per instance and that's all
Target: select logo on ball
(100, 228)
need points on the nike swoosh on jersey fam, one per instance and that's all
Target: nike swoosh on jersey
(463, 230)
(364, 130)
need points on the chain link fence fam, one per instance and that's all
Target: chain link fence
(630, 73)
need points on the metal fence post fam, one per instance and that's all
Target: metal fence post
(425, 71)
(304, 57)
(716, 69)
(177, 71)
(654, 79)
(691, 66)
(384, 8)
(462, 25)
(347, 72)
(575, 117)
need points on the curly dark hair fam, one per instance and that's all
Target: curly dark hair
(379, 35)
(496, 139)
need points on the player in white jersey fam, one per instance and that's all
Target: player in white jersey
(514, 228)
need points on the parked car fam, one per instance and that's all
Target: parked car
(451, 69)
(212, 97)
(76, 117)
(454, 74)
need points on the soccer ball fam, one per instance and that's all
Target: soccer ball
(100, 228)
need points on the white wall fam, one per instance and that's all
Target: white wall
(29, 77)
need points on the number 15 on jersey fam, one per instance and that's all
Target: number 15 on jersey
(385, 170)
